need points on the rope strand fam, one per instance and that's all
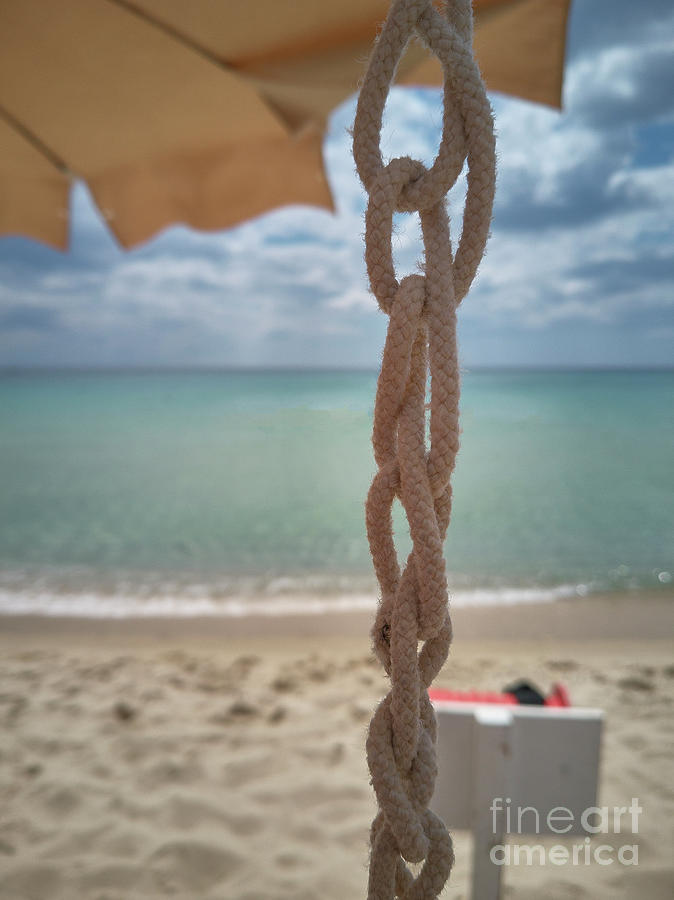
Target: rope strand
(421, 337)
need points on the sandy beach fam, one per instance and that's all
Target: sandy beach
(224, 759)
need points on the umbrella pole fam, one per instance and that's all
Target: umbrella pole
(413, 610)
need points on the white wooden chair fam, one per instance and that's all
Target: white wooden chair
(504, 769)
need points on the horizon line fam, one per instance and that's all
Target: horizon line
(308, 369)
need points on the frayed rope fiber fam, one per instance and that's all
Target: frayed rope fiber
(421, 337)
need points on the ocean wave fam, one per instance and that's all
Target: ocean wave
(126, 605)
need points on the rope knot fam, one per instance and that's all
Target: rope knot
(403, 174)
(406, 179)
(421, 337)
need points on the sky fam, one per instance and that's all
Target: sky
(579, 269)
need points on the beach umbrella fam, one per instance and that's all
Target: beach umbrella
(208, 112)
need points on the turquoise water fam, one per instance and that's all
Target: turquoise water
(209, 486)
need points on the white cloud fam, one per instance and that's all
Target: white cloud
(582, 235)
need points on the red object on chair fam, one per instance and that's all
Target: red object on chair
(559, 696)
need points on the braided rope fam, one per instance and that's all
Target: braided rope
(421, 336)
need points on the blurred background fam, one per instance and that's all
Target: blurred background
(185, 425)
(185, 453)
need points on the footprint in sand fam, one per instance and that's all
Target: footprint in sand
(284, 684)
(242, 666)
(632, 683)
(59, 800)
(359, 712)
(123, 841)
(11, 707)
(185, 811)
(170, 772)
(294, 859)
(635, 742)
(330, 755)
(333, 800)
(38, 881)
(119, 876)
(255, 767)
(239, 711)
(124, 711)
(278, 714)
(562, 665)
(191, 866)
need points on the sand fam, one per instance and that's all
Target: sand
(213, 759)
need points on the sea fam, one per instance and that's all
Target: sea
(133, 493)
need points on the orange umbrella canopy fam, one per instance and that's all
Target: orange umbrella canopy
(212, 111)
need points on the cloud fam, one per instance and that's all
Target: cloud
(30, 318)
(597, 24)
(623, 85)
(578, 269)
(628, 274)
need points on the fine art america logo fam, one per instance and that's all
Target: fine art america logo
(594, 820)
